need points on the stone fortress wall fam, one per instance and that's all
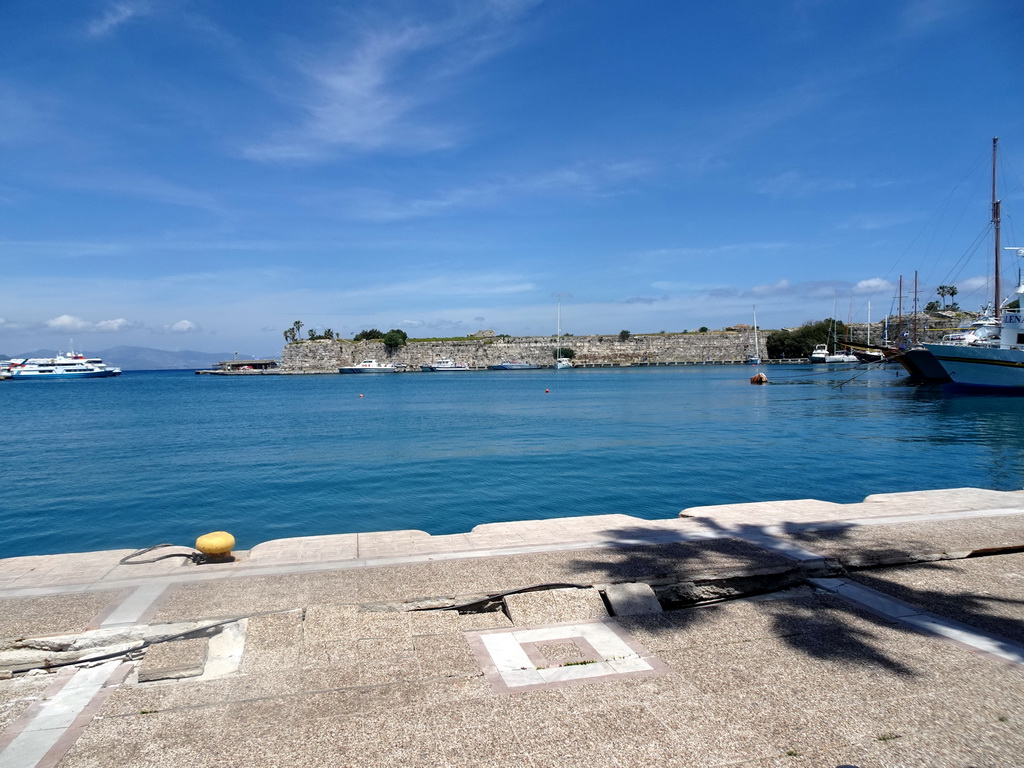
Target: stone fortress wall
(327, 355)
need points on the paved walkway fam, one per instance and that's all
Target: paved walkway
(889, 632)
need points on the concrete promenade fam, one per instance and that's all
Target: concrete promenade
(797, 633)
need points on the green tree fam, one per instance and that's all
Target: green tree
(394, 339)
(703, 329)
(800, 342)
(624, 335)
(297, 328)
(369, 335)
(564, 352)
(952, 292)
(931, 306)
(289, 335)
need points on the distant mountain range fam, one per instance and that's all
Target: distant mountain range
(147, 359)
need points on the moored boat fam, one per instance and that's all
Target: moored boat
(755, 358)
(513, 365)
(989, 363)
(368, 366)
(983, 360)
(444, 364)
(69, 366)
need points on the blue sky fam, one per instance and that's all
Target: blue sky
(197, 174)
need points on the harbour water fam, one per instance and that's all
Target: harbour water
(153, 457)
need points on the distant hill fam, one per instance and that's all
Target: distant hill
(147, 359)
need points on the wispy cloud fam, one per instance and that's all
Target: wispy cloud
(378, 95)
(117, 14)
(582, 180)
(797, 183)
(872, 221)
(921, 16)
(144, 186)
(692, 252)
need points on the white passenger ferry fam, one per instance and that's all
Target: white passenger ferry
(70, 366)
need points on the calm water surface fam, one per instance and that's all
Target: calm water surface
(153, 457)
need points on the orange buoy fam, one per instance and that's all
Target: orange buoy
(546, 391)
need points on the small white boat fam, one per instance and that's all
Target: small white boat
(820, 353)
(513, 365)
(445, 364)
(562, 363)
(368, 366)
(70, 366)
(842, 357)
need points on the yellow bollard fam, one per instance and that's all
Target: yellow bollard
(216, 546)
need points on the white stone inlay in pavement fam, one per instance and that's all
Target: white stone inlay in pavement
(508, 665)
(137, 603)
(55, 716)
(920, 619)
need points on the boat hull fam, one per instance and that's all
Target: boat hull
(366, 370)
(29, 376)
(981, 367)
(513, 367)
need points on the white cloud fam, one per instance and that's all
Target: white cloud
(77, 324)
(69, 323)
(781, 288)
(184, 326)
(120, 324)
(873, 285)
(118, 13)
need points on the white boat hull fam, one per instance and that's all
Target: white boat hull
(39, 376)
(981, 366)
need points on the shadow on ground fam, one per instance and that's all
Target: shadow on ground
(819, 625)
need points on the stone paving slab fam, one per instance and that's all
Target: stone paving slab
(631, 599)
(899, 543)
(175, 659)
(832, 690)
(52, 614)
(552, 606)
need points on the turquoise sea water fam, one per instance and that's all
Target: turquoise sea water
(165, 456)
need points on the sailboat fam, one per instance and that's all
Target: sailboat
(560, 362)
(988, 362)
(755, 359)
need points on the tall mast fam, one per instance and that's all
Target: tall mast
(915, 306)
(899, 322)
(995, 226)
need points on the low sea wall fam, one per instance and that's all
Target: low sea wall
(327, 355)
